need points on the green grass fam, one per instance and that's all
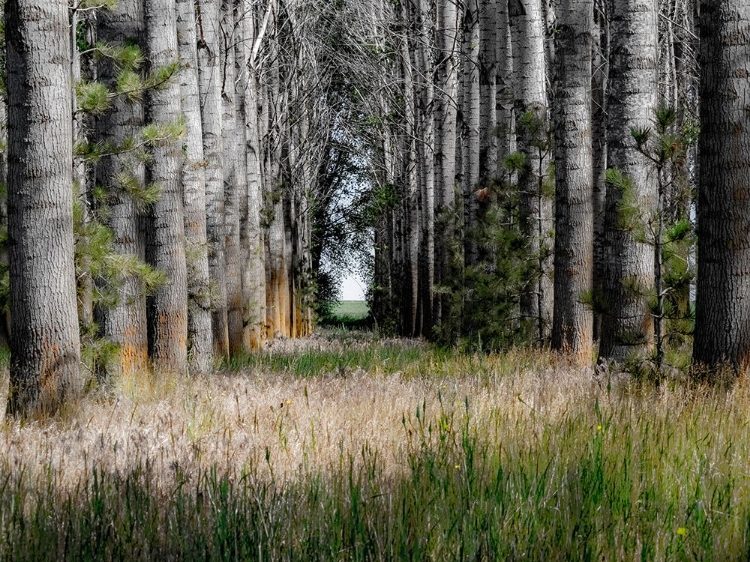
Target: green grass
(356, 310)
(351, 314)
(525, 458)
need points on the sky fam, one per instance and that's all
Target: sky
(352, 289)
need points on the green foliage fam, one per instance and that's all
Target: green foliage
(92, 97)
(484, 300)
(127, 57)
(142, 195)
(534, 126)
(516, 162)
(159, 134)
(130, 85)
(97, 259)
(161, 76)
(98, 4)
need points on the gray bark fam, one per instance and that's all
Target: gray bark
(627, 325)
(471, 109)
(200, 347)
(599, 109)
(536, 209)
(168, 309)
(445, 129)
(574, 242)
(722, 331)
(488, 68)
(45, 346)
(254, 280)
(125, 323)
(210, 83)
(234, 179)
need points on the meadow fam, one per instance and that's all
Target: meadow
(347, 447)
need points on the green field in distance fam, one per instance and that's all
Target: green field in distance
(354, 310)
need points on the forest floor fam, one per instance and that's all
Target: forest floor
(348, 447)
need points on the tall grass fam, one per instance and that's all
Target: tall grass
(395, 452)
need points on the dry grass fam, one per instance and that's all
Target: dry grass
(383, 450)
(235, 420)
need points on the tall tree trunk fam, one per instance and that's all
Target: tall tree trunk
(722, 330)
(600, 77)
(125, 322)
(45, 348)
(627, 326)
(200, 345)
(277, 282)
(445, 159)
(4, 313)
(506, 142)
(254, 283)
(488, 67)
(411, 186)
(574, 242)
(81, 122)
(471, 109)
(427, 137)
(531, 108)
(234, 180)
(210, 82)
(168, 315)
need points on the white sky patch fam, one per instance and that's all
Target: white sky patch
(352, 289)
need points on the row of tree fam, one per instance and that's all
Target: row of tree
(180, 172)
(172, 167)
(539, 174)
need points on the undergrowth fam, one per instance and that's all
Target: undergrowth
(366, 450)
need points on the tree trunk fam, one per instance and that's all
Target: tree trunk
(506, 137)
(81, 122)
(166, 249)
(427, 137)
(488, 67)
(445, 158)
(277, 282)
(234, 180)
(471, 109)
(45, 348)
(574, 242)
(722, 330)
(200, 346)
(600, 77)
(411, 187)
(531, 107)
(125, 322)
(210, 83)
(254, 284)
(627, 325)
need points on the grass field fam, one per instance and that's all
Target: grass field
(355, 310)
(345, 447)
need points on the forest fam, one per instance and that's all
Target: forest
(547, 202)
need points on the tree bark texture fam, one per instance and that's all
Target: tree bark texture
(200, 341)
(125, 323)
(210, 83)
(531, 103)
(449, 45)
(168, 309)
(627, 325)
(472, 125)
(234, 180)
(574, 242)
(45, 344)
(722, 331)
(254, 286)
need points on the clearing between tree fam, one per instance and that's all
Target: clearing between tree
(344, 446)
